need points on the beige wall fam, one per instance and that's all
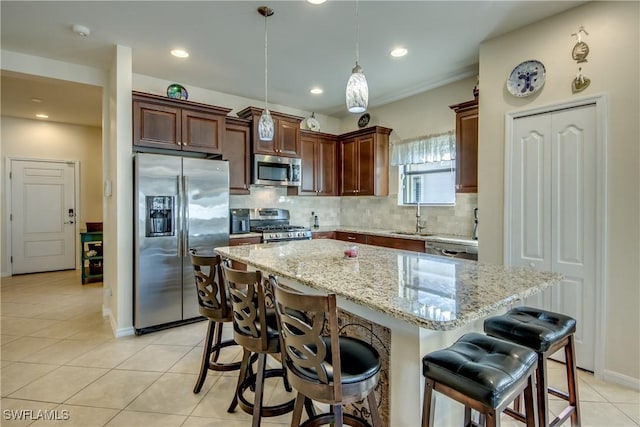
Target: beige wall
(35, 139)
(613, 67)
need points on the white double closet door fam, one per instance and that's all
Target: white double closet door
(551, 212)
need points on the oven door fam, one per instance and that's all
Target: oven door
(274, 170)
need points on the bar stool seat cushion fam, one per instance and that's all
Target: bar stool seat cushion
(358, 360)
(531, 327)
(484, 368)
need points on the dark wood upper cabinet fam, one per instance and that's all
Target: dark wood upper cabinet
(364, 162)
(165, 123)
(236, 151)
(466, 146)
(319, 155)
(286, 138)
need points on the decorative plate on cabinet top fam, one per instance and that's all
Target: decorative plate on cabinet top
(177, 91)
(313, 123)
(364, 120)
(526, 78)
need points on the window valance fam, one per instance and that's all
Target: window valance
(424, 149)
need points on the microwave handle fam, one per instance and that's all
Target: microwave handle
(289, 172)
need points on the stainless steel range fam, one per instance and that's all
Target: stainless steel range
(274, 225)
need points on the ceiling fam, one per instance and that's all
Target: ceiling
(308, 46)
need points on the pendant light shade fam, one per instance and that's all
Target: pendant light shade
(265, 124)
(357, 93)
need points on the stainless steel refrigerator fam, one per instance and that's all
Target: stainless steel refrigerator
(181, 203)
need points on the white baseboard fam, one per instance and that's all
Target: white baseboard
(621, 379)
(117, 332)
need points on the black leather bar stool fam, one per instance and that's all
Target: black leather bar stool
(332, 369)
(214, 305)
(482, 373)
(255, 328)
(545, 333)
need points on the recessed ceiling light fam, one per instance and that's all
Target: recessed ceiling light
(179, 53)
(398, 52)
(316, 1)
(38, 100)
(42, 116)
(316, 90)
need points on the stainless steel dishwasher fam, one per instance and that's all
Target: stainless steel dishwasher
(452, 247)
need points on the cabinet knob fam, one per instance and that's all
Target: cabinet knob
(179, 143)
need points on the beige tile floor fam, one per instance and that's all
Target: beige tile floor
(58, 356)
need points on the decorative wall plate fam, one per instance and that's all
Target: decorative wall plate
(364, 120)
(526, 78)
(313, 123)
(177, 91)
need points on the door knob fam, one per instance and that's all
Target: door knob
(69, 222)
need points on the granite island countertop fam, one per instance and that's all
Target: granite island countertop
(424, 290)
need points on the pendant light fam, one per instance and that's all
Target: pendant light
(265, 124)
(357, 90)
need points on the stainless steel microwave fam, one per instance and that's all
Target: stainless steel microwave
(275, 170)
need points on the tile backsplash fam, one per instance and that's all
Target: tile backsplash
(364, 212)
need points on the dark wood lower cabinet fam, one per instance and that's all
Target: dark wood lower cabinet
(351, 237)
(323, 235)
(387, 242)
(395, 243)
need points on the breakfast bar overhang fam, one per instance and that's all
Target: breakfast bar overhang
(425, 301)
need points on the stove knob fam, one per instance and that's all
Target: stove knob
(290, 234)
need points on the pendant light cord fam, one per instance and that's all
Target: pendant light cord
(265, 62)
(357, 33)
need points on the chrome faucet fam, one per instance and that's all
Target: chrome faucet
(419, 227)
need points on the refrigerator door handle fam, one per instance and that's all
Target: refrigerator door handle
(180, 216)
(185, 189)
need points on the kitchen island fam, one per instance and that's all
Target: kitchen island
(426, 302)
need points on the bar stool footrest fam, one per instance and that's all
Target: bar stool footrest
(224, 367)
(267, 411)
(327, 419)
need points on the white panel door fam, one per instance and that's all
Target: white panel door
(573, 224)
(530, 174)
(552, 225)
(43, 216)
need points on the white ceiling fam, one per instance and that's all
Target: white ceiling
(308, 46)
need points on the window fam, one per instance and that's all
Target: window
(428, 183)
(426, 167)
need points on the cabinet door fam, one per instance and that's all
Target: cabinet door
(349, 167)
(394, 242)
(202, 132)
(236, 151)
(351, 237)
(156, 126)
(366, 166)
(327, 176)
(467, 151)
(288, 138)
(309, 157)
